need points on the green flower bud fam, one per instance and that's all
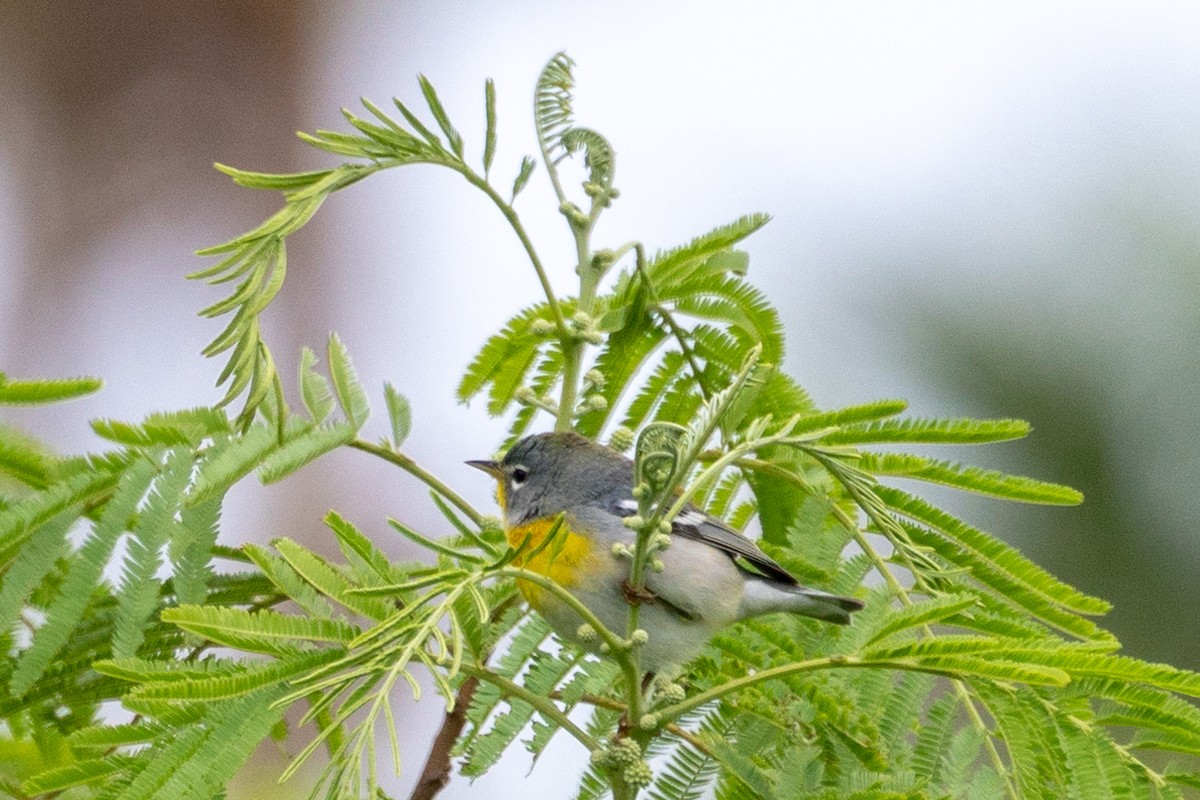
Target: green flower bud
(638, 774)
(624, 752)
(586, 633)
(526, 395)
(582, 319)
(633, 523)
(592, 336)
(541, 327)
(595, 377)
(673, 693)
(662, 540)
(664, 527)
(657, 565)
(621, 551)
(648, 722)
(639, 637)
(597, 402)
(621, 440)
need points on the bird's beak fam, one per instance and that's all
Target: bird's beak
(490, 467)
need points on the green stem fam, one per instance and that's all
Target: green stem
(420, 473)
(514, 222)
(616, 645)
(960, 689)
(541, 704)
(677, 710)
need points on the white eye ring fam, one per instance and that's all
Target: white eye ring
(519, 474)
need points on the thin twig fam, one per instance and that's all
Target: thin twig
(436, 773)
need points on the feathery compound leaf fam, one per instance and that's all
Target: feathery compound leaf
(329, 581)
(971, 479)
(305, 448)
(506, 358)
(83, 574)
(993, 552)
(240, 681)
(282, 182)
(924, 613)
(399, 414)
(22, 518)
(489, 139)
(23, 458)
(80, 773)
(288, 581)
(38, 392)
(42, 549)
(523, 174)
(358, 548)
(349, 391)
(191, 551)
(262, 631)
(552, 106)
(187, 427)
(314, 388)
(231, 460)
(598, 153)
(931, 431)
(156, 526)
(197, 764)
(439, 114)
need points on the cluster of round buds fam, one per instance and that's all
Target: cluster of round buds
(672, 692)
(621, 439)
(621, 550)
(586, 633)
(602, 194)
(638, 774)
(625, 756)
(541, 327)
(584, 327)
(527, 396)
(576, 217)
(667, 688)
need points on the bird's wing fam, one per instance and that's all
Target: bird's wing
(692, 523)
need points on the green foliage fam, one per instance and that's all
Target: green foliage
(971, 673)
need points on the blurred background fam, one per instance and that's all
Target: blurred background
(989, 210)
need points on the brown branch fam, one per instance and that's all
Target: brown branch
(436, 773)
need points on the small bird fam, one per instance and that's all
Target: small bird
(711, 575)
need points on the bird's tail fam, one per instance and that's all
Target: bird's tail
(765, 596)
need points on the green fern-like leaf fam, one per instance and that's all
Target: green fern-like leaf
(931, 431)
(155, 527)
(80, 773)
(314, 388)
(971, 479)
(83, 574)
(23, 459)
(261, 631)
(330, 582)
(349, 392)
(39, 392)
(21, 519)
(552, 114)
(192, 549)
(304, 448)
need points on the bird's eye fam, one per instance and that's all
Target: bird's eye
(519, 475)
